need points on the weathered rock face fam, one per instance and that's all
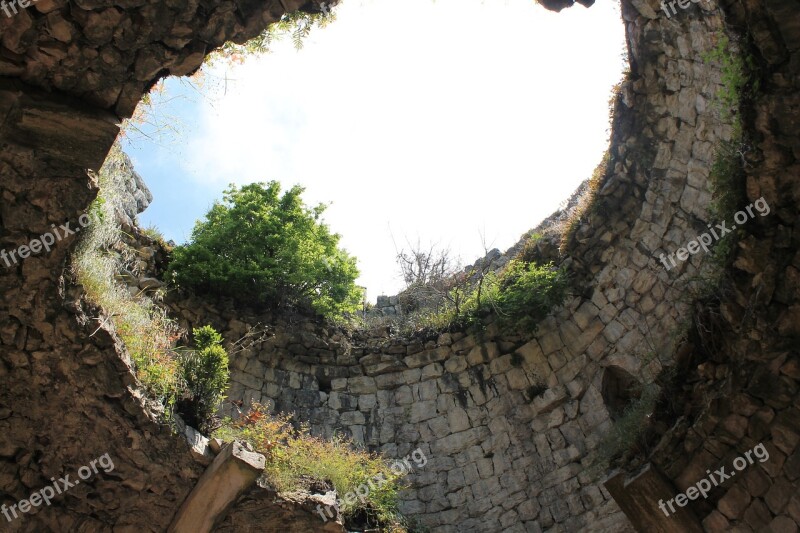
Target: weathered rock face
(508, 424)
(67, 396)
(109, 53)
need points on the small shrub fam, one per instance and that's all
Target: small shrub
(738, 77)
(727, 178)
(205, 377)
(628, 430)
(520, 296)
(528, 293)
(530, 250)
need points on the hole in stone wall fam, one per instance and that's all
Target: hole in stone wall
(438, 120)
(620, 389)
(536, 390)
(324, 384)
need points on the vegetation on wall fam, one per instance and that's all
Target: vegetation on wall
(267, 249)
(145, 329)
(296, 25)
(587, 204)
(204, 373)
(527, 293)
(739, 84)
(518, 295)
(737, 76)
(628, 431)
(194, 378)
(296, 460)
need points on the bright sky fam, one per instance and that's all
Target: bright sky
(439, 121)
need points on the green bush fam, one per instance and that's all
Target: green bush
(266, 249)
(738, 76)
(205, 376)
(527, 293)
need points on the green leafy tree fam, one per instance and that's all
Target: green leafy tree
(205, 374)
(264, 248)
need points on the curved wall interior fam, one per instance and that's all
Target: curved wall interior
(499, 456)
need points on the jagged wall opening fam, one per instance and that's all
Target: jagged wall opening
(619, 389)
(502, 458)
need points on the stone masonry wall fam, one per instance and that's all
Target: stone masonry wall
(509, 424)
(69, 72)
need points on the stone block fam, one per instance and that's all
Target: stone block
(517, 379)
(613, 331)
(757, 515)
(422, 410)
(382, 364)
(412, 376)
(428, 356)
(557, 360)
(427, 390)
(458, 420)
(463, 345)
(586, 314)
(249, 381)
(778, 495)
(782, 524)
(734, 503)
(389, 381)
(455, 364)
(483, 353)
(458, 442)
(551, 399)
(367, 402)
(572, 369)
(439, 427)
(339, 384)
(352, 418)
(550, 342)
(431, 371)
(455, 479)
(361, 385)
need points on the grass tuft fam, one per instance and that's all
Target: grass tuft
(296, 460)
